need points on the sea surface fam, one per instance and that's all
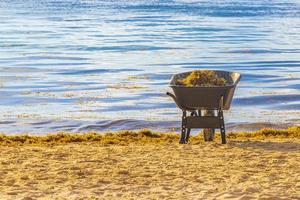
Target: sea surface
(84, 65)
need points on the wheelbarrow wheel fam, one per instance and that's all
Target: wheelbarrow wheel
(209, 133)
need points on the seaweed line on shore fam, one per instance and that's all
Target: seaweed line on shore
(138, 137)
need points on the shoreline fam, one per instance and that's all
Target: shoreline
(45, 127)
(145, 136)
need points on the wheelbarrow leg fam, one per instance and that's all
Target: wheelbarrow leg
(199, 113)
(222, 127)
(188, 132)
(183, 128)
(193, 113)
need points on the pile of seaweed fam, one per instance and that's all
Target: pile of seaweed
(202, 78)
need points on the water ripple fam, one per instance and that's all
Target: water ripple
(101, 65)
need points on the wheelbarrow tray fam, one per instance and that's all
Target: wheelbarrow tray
(198, 97)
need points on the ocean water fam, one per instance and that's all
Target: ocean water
(81, 65)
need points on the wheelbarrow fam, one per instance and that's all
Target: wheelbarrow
(193, 100)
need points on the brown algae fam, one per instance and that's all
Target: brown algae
(202, 78)
(141, 137)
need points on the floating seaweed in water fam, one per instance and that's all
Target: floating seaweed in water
(204, 78)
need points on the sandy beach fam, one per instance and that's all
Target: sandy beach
(94, 96)
(150, 166)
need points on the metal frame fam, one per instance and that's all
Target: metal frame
(196, 120)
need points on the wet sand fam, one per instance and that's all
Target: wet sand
(242, 169)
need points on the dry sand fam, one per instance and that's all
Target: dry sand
(237, 170)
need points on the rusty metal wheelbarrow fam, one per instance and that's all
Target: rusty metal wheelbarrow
(197, 99)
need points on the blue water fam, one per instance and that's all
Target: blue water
(81, 65)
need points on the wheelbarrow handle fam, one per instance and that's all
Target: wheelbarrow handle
(171, 95)
(174, 98)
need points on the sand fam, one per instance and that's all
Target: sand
(241, 169)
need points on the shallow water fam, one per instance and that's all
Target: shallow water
(105, 65)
